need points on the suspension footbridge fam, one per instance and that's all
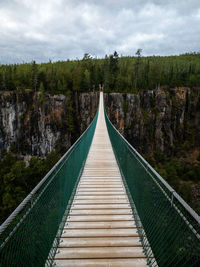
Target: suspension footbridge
(102, 204)
(100, 228)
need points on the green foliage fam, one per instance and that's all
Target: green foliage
(17, 179)
(34, 75)
(51, 160)
(71, 114)
(13, 147)
(116, 74)
(159, 157)
(185, 190)
(179, 175)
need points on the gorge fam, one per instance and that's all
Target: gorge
(162, 124)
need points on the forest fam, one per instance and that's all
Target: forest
(115, 74)
(17, 179)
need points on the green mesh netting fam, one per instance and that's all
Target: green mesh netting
(32, 238)
(169, 233)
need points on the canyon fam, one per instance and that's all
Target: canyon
(31, 125)
(162, 124)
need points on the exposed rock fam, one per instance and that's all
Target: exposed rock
(32, 125)
(158, 120)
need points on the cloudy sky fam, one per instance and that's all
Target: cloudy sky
(66, 29)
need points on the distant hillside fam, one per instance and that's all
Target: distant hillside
(116, 74)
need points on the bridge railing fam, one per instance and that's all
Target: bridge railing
(30, 235)
(168, 227)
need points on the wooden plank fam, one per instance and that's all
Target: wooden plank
(95, 168)
(101, 206)
(97, 158)
(105, 186)
(101, 193)
(102, 176)
(131, 262)
(97, 218)
(101, 189)
(100, 182)
(101, 185)
(101, 201)
(96, 175)
(101, 164)
(100, 252)
(106, 179)
(101, 225)
(100, 212)
(124, 196)
(101, 179)
(100, 242)
(100, 232)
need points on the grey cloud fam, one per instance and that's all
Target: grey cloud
(61, 29)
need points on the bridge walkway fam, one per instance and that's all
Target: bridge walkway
(100, 229)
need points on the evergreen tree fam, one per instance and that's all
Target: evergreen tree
(34, 76)
(137, 64)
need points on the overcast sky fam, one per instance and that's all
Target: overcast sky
(66, 29)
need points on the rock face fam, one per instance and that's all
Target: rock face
(34, 125)
(160, 120)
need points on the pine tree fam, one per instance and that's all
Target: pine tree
(34, 76)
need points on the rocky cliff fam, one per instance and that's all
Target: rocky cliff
(164, 120)
(34, 124)
(164, 126)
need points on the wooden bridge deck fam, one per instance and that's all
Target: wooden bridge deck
(100, 230)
